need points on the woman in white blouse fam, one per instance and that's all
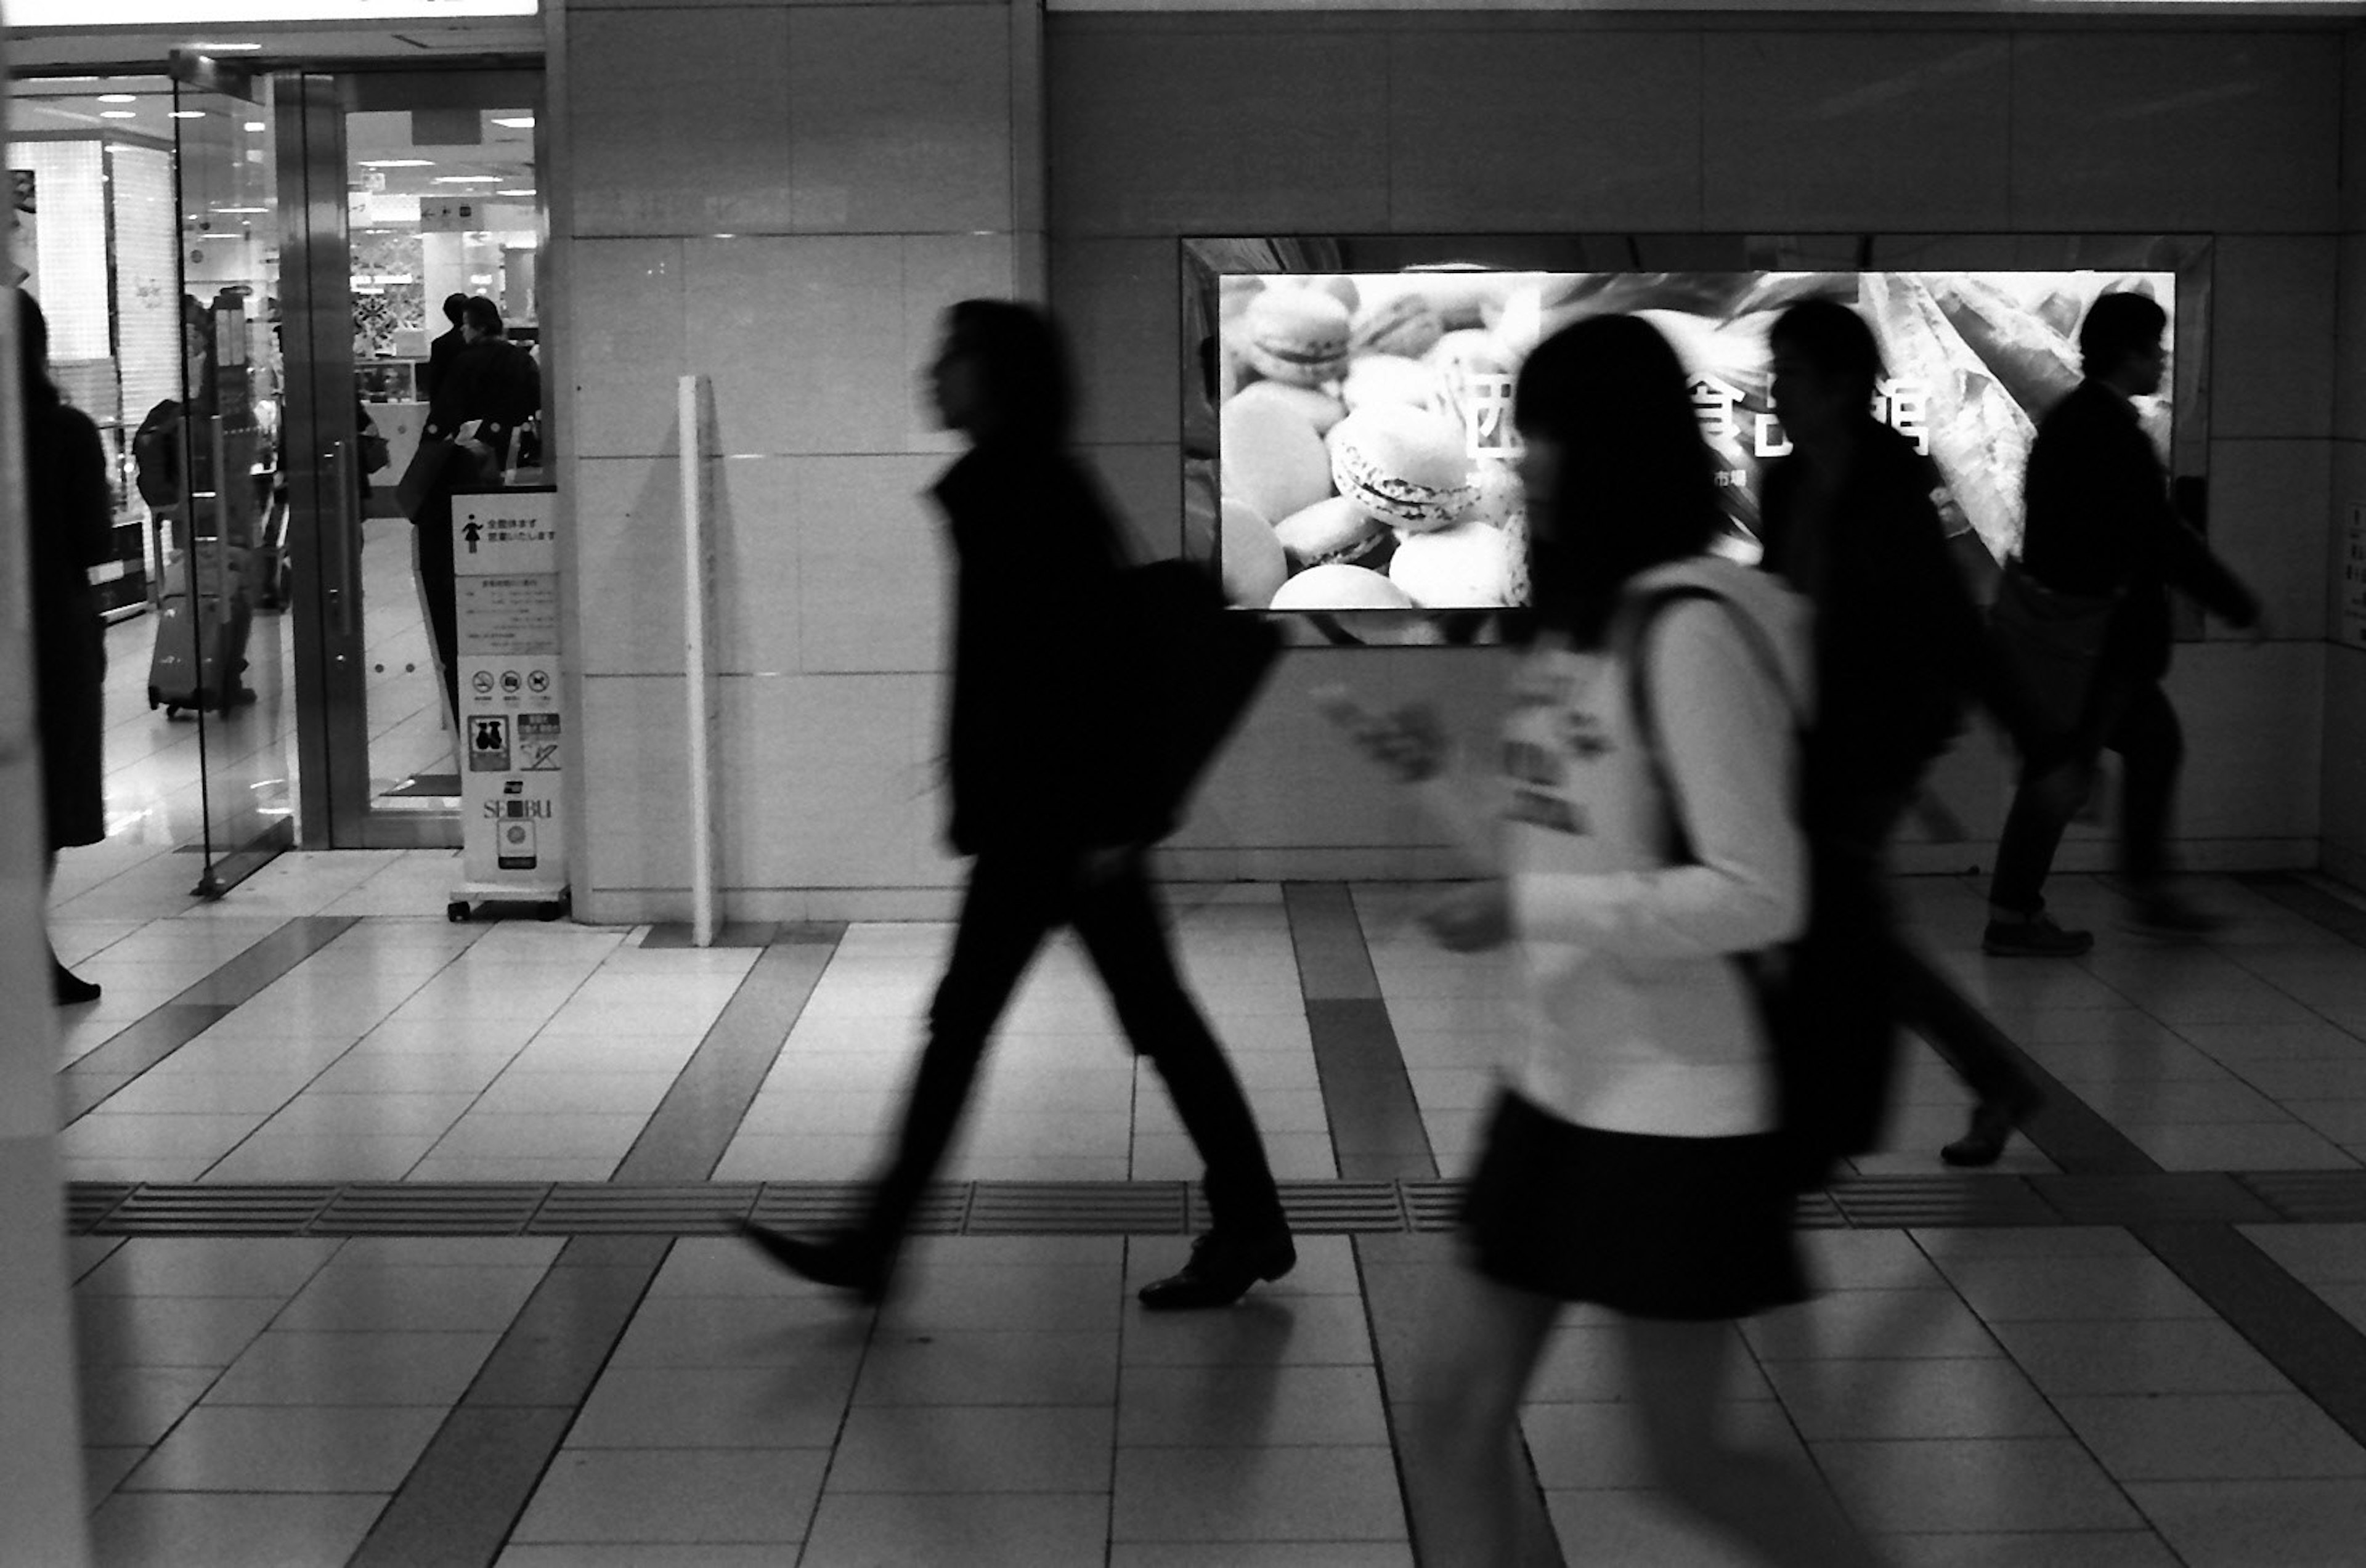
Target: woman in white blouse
(1642, 850)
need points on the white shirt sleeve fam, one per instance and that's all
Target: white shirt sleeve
(1727, 735)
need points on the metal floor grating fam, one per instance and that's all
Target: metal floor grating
(1119, 1208)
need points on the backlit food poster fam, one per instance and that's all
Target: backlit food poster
(1365, 450)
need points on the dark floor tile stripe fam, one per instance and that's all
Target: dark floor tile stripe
(464, 1495)
(1400, 1275)
(2344, 920)
(702, 1109)
(1334, 965)
(87, 1081)
(2065, 1129)
(1368, 1100)
(2285, 1321)
(462, 1499)
(237, 981)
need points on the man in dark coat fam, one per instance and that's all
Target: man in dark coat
(1849, 522)
(441, 353)
(491, 387)
(2100, 525)
(71, 521)
(1056, 807)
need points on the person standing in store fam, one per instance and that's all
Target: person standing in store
(2101, 533)
(1056, 815)
(71, 521)
(1643, 849)
(1849, 523)
(490, 388)
(447, 346)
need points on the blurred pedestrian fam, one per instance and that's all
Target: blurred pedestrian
(2087, 602)
(1645, 853)
(1057, 816)
(69, 518)
(1849, 522)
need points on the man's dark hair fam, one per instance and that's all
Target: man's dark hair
(482, 314)
(453, 305)
(1833, 340)
(1635, 487)
(2118, 326)
(1029, 388)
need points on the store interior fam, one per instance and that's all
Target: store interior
(149, 216)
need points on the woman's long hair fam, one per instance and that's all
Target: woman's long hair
(1637, 486)
(1031, 391)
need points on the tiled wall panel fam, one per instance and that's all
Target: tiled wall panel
(2345, 759)
(2217, 130)
(899, 118)
(1260, 130)
(2252, 740)
(628, 314)
(2349, 337)
(2265, 497)
(676, 127)
(2271, 359)
(1856, 131)
(1533, 129)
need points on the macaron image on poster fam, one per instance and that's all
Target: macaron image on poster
(1364, 419)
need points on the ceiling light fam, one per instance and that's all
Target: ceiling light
(397, 162)
(116, 114)
(225, 48)
(515, 122)
(467, 179)
(527, 191)
(241, 210)
(256, 125)
(188, 114)
(117, 99)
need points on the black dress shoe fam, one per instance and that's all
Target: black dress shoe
(1220, 1270)
(70, 988)
(844, 1261)
(1984, 1142)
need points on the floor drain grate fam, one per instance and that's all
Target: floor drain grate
(418, 1208)
(1897, 1202)
(595, 1208)
(1077, 1208)
(201, 1209)
(1119, 1208)
(1335, 1208)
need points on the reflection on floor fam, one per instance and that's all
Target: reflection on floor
(2147, 1357)
(155, 802)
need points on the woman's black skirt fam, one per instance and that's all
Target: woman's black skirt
(1646, 1224)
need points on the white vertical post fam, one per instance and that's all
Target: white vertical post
(697, 557)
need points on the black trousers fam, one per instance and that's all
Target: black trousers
(1015, 898)
(1859, 977)
(2131, 717)
(439, 586)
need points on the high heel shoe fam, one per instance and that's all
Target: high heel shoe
(70, 988)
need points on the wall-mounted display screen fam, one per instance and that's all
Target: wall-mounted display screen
(1365, 447)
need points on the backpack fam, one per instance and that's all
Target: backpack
(1196, 664)
(1830, 1093)
(156, 456)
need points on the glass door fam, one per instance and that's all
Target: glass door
(415, 192)
(221, 651)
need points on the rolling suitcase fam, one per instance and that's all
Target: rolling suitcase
(200, 652)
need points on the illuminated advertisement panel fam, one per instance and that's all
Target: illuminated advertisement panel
(1363, 449)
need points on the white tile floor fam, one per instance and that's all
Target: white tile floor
(1999, 1395)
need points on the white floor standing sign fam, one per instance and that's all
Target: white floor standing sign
(505, 559)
